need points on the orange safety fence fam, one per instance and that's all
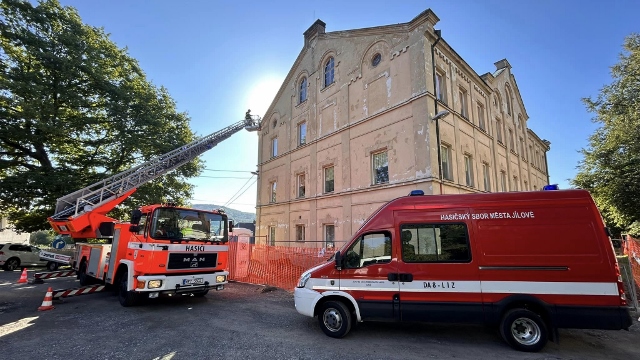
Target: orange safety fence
(279, 266)
(632, 249)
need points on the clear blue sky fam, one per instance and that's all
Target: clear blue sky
(219, 58)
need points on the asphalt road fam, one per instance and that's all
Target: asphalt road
(245, 322)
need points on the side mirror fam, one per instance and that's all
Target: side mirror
(230, 225)
(338, 260)
(136, 215)
(134, 228)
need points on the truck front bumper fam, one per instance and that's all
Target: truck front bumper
(186, 283)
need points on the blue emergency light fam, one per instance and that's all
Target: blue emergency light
(551, 187)
(416, 193)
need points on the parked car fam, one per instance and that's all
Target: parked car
(14, 256)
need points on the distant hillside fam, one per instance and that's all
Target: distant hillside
(235, 215)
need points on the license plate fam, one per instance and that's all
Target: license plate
(195, 281)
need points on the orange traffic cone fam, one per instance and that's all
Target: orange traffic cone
(47, 303)
(23, 277)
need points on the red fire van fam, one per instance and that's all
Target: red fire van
(526, 262)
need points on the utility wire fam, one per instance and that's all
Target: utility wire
(242, 171)
(237, 197)
(233, 196)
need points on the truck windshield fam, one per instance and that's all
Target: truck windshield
(187, 225)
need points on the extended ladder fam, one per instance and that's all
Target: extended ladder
(108, 189)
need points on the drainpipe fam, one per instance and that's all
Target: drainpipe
(433, 73)
(546, 163)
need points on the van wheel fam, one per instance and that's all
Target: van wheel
(524, 330)
(127, 298)
(335, 319)
(52, 266)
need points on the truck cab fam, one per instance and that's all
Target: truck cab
(164, 250)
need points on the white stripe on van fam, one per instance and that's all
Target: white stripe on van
(490, 287)
(551, 288)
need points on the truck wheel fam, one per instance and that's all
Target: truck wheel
(11, 264)
(52, 266)
(524, 330)
(335, 319)
(82, 275)
(127, 298)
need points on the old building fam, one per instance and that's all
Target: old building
(353, 127)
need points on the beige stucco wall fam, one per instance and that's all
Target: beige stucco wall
(387, 107)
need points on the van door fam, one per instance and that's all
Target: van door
(439, 277)
(368, 275)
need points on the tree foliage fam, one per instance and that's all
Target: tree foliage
(74, 109)
(610, 169)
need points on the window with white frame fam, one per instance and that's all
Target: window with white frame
(441, 87)
(464, 108)
(481, 123)
(328, 179)
(503, 181)
(380, 168)
(274, 147)
(272, 186)
(486, 176)
(537, 159)
(329, 236)
(302, 133)
(303, 91)
(301, 185)
(328, 72)
(445, 154)
(272, 235)
(299, 232)
(468, 170)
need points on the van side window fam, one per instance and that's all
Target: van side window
(369, 249)
(435, 243)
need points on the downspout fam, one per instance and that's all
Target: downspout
(435, 101)
(546, 163)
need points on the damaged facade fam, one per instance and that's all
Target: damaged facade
(351, 128)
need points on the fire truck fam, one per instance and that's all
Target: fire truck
(164, 249)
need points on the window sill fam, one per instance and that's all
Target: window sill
(300, 104)
(328, 86)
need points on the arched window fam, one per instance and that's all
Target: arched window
(303, 91)
(508, 101)
(328, 72)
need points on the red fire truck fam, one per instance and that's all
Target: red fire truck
(163, 249)
(527, 263)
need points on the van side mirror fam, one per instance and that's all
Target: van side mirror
(230, 225)
(136, 215)
(134, 228)
(338, 260)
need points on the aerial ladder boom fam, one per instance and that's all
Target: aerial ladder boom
(82, 214)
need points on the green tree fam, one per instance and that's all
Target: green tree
(41, 238)
(610, 169)
(75, 109)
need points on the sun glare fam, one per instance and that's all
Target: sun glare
(262, 94)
